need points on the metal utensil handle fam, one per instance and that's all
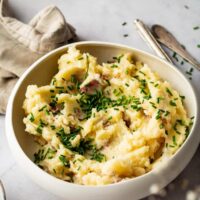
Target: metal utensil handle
(2, 192)
(150, 40)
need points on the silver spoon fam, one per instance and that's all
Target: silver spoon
(147, 36)
(166, 38)
(2, 192)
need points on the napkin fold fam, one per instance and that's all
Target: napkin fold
(21, 44)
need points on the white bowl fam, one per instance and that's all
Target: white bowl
(23, 147)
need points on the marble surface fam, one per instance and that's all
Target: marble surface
(102, 20)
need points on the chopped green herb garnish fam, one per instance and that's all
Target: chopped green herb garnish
(53, 127)
(127, 84)
(182, 97)
(118, 59)
(159, 113)
(166, 113)
(70, 87)
(39, 129)
(159, 98)
(147, 97)
(59, 87)
(196, 28)
(169, 92)
(64, 160)
(198, 45)
(161, 126)
(109, 118)
(40, 126)
(174, 140)
(53, 81)
(172, 103)
(153, 104)
(41, 109)
(114, 66)
(47, 112)
(52, 91)
(42, 154)
(98, 156)
(156, 85)
(142, 73)
(108, 82)
(124, 23)
(190, 71)
(87, 65)
(174, 56)
(31, 117)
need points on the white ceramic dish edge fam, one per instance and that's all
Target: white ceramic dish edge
(99, 192)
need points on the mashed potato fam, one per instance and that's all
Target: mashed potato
(101, 124)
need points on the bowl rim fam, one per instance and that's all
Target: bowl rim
(12, 140)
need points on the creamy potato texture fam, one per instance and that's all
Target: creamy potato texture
(101, 124)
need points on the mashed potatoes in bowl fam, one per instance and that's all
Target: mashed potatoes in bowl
(101, 124)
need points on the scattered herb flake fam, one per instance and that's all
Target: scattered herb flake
(125, 35)
(196, 28)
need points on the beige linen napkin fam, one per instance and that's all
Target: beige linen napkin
(21, 44)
